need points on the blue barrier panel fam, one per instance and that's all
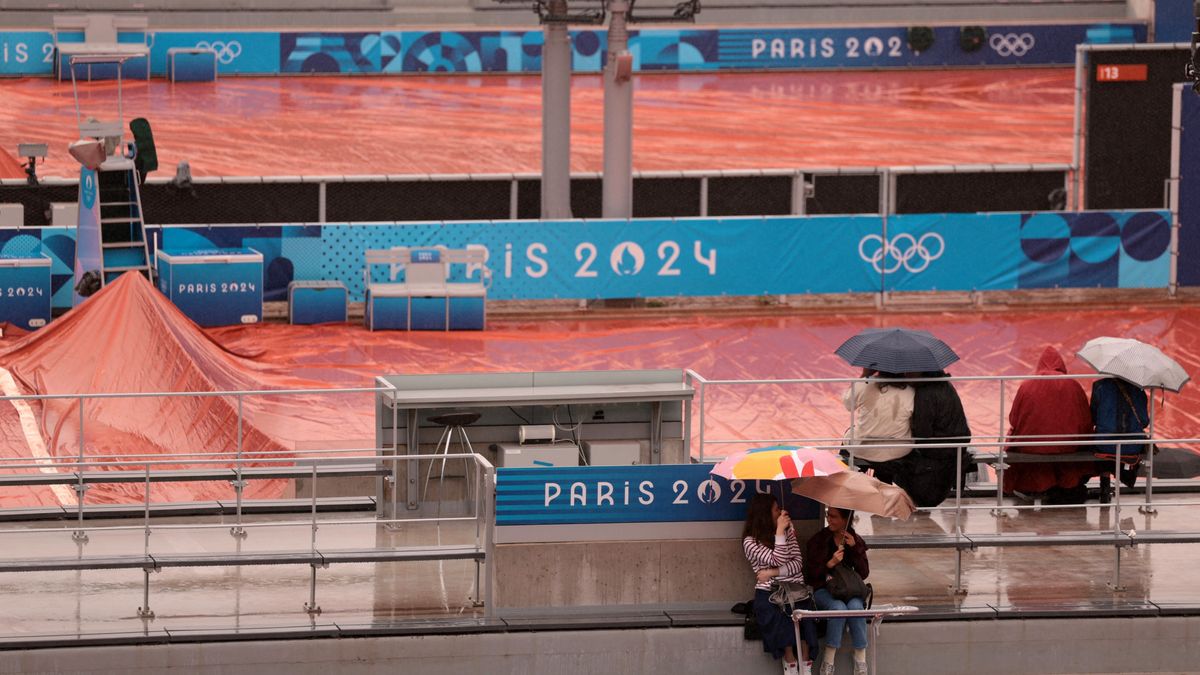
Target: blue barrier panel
(586, 259)
(238, 52)
(1174, 20)
(1004, 251)
(530, 260)
(520, 51)
(25, 290)
(1189, 189)
(627, 494)
(26, 53)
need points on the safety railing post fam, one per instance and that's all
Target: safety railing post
(489, 533)
(79, 535)
(1148, 507)
(958, 481)
(144, 611)
(703, 387)
(239, 485)
(311, 606)
(1116, 582)
(1000, 463)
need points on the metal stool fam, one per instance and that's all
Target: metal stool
(452, 421)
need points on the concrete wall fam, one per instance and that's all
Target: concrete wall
(625, 572)
(1126, 645)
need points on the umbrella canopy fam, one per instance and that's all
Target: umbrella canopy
(778, 462)
(897, 350)
(1176, 463)
(857, 491)
(1142, 364)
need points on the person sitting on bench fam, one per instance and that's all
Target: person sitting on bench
(1050, 410)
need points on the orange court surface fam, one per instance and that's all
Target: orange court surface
(492, 124)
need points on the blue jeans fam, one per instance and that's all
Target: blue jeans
(835, 627)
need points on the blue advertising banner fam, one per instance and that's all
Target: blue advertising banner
(26, 53)
(520, 51)
(238, 53)
(531, 260)
(25, 290)
(1122, 249)
(668, 493)
(1189, 187)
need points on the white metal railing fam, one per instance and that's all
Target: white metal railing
(240, 395)
(875, 614)
(1000, 441)
(479, 511)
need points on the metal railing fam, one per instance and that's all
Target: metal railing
(960, 540)
(480, 513)
(875, 614)
(801, 186)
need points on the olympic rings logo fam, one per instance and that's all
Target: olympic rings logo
(226, 51)
(904, 250)
(1012, 44)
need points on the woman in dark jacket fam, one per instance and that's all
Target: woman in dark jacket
(835, 545)
(938, 417)
(1119, 410)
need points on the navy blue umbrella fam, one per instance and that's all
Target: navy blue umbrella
(897, 350)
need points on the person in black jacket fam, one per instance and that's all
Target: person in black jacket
(938, 417)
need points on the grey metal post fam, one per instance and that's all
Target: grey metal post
(884, 210)
(1000, 462)
(1148, 507)
(238, 484)
(144, 611)
(703, 386)
(490, 542)
(556, 116)
(1115, 584)
(311, 606)
(1076, 155)
(617, 190)
(79, 535)
(321, 202)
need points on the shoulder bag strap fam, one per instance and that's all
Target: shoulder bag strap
(1132, 407)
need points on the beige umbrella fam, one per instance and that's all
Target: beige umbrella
(857, 491)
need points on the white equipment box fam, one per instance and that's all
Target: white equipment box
(613, 453)
(538, 456)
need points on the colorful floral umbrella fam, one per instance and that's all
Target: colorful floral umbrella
(779, 462)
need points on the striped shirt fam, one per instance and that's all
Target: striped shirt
(785, 556)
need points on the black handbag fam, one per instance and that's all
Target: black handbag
(845, 583)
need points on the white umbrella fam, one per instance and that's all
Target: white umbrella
(1142, 364)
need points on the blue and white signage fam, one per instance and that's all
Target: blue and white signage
(25, 290)
(520, 51)
(219, 287)
(668, 493)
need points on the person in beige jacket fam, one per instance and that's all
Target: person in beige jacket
(882, 420)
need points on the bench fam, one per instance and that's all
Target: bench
(430, 297)
(993, 459)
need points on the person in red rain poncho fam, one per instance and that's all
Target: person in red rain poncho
(1044, 409)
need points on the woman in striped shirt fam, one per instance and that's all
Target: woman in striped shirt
(770, 545)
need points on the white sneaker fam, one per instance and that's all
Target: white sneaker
(806, 668)
(827, 668)
(860, 668)
(791, 668)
